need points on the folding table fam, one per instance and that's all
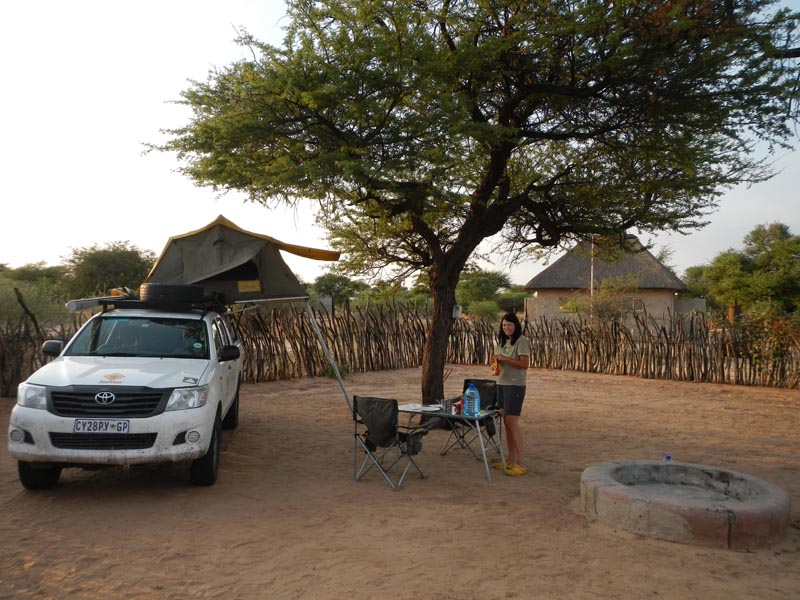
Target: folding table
(465, 431)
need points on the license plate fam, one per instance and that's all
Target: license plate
(101, 426)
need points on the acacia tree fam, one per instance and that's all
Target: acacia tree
(423, 127)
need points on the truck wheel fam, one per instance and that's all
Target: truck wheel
(205, 469)
(170, 292)
(38, 476)
(231, 420)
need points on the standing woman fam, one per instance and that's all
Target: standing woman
(512, 354)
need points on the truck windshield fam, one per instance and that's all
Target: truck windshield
(141, 336)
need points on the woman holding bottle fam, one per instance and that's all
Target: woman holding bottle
(512, 354)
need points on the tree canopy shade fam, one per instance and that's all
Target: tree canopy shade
(422, 127)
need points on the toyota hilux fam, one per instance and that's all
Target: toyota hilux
(142, 381)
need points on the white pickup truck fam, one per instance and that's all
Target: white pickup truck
(144, 381)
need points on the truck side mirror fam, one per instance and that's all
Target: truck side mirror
(229, 353)
(52, 347)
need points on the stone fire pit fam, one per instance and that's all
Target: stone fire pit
(685, 502)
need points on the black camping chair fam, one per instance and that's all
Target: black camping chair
(464, 436)
(383, 443)
(487, 388)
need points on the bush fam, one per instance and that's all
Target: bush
(41, 298)
(484, 310)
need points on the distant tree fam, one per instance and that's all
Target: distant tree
(764, 275)
(693, 278)
(386, 291)
(41, 287)
(96, 270)
(761, 242)
(512, 299)
(484, 310)
(39, 271)
(338, 287)
(478, 285)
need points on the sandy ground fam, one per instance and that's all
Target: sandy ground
(286, 519)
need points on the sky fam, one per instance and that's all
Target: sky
(88, 83)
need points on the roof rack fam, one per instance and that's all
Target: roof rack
(107, 302)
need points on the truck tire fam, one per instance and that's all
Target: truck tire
(231, 420)
(38, 476)
(204, 470)
(170, 292)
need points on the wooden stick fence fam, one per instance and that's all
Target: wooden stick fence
(280, 343)
(685, 349)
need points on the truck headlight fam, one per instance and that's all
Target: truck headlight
(32, 396)
(183, 398)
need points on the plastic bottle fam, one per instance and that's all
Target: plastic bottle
(472, 401)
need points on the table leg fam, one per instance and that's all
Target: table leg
(476, 427)
(498, 423)
(483, 450)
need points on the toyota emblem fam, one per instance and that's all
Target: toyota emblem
(104, 398)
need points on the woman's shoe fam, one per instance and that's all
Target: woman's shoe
(499, 465)
(516, 471)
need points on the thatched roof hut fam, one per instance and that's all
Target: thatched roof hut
(573, 271)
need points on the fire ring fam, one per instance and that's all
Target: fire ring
(684, 502)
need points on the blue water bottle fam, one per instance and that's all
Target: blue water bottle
(472, 401)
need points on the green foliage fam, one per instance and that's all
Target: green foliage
(476, 285)
(763, 277)
(485, 310)
(426, 127)
(608, 302)
(339, 287)
(96, 270)
(41, 288)
(512, 300)
(489, 292)
(385, 291)
(37, 272)
(423, 128)
(693, 278)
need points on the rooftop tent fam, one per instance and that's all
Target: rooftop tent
(240, 265)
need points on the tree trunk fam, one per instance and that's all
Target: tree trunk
(443, 279)
(443, 291)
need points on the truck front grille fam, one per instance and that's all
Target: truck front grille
(127, 402)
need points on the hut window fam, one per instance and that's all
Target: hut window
(633, 304)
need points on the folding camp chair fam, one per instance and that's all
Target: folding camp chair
(487, 389)
(383, 442)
